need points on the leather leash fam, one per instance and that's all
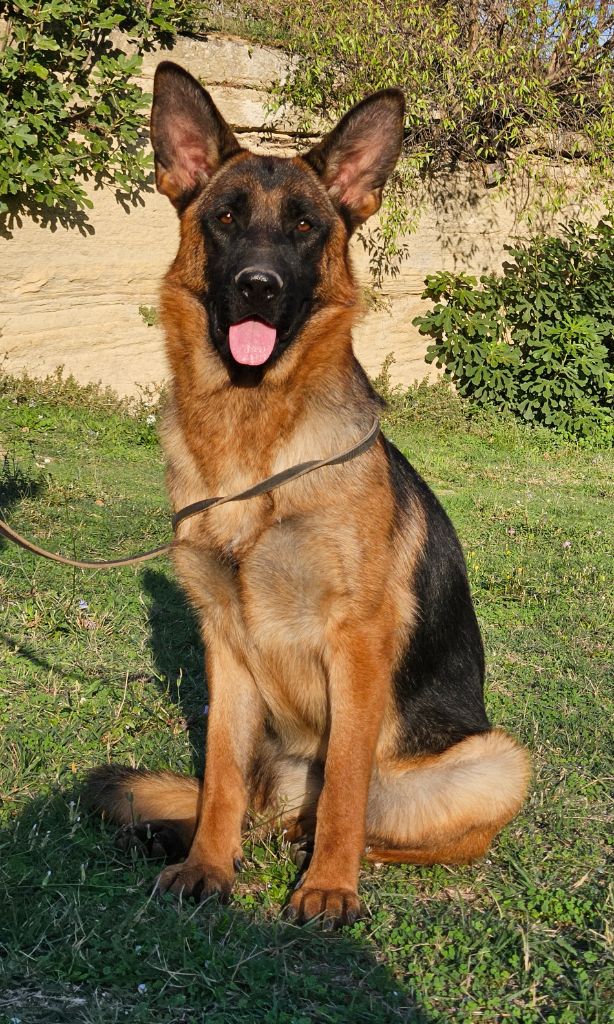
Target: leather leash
(263, 487)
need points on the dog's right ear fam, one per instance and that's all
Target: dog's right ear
(190, 138)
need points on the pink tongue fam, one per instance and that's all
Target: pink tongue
(251, 342)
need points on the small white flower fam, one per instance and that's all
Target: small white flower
(142, 988)
(566, 543)
(151, 419)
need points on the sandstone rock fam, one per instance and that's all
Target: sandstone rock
(219, 60)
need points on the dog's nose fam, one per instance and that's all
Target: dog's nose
(259, 284)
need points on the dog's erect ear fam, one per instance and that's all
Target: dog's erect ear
(356, 158)
(190, 138)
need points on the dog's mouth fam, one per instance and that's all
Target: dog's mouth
(251, 341)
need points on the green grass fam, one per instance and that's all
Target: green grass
(522, 936)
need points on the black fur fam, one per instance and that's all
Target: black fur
(439, 683)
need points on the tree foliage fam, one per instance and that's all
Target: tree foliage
(505, 85)
(494, 83)
(69, 107)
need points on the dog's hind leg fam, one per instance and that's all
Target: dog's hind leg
(446, 809)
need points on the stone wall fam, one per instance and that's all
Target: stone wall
(71, 295)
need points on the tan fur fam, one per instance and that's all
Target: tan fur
(436, 809)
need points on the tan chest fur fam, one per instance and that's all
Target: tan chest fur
(273, 576)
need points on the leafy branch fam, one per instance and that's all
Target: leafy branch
(70, 110)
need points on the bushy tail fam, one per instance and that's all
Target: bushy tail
(447, 809)
(128, 795)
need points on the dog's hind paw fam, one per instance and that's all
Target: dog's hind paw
(155, 839)
(301, 852)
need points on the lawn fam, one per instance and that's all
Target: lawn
(107, 665)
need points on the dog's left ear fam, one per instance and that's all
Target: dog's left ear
(356, 158)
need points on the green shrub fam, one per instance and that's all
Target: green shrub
(539, 340)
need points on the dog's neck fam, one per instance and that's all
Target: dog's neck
(316, 378)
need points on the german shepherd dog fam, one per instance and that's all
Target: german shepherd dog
(343, 656)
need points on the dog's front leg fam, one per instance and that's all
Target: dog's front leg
(359, 675)
(234, 723)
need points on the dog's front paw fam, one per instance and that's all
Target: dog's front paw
(334, 907)
(195, 881)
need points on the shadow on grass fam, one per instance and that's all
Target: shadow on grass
(16, 484)
(178, 655)
(82, 941)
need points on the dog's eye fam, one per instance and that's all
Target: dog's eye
(304, 226)
(226, 217)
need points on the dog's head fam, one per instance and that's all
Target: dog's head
(265, 238)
